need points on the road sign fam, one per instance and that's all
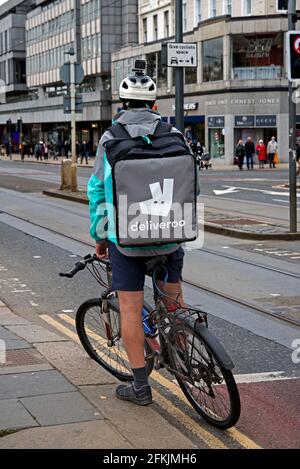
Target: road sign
(293, 55)
(65, 73)
(78, 104)
(182, 54)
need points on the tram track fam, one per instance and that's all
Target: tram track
(196, 284)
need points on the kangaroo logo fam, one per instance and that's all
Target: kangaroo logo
(162, 200)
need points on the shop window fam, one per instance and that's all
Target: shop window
(213, 60)
(257, 56)
(162, 79)
(190, 76)
(282, 5)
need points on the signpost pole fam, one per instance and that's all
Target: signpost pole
(179, 91)
(292, 133)
(73, 122)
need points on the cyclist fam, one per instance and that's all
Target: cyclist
(128, 265)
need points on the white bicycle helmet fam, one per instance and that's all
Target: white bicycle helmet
(137, 88)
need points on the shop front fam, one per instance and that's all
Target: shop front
(258, 127)
(216, 136)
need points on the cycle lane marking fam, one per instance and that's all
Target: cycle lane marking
(208, 438)
(235, 434)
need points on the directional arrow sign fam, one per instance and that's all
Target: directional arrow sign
(231, 190)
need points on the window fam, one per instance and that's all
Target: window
(213, 60)
(154, 27)
(145, 31)
(152, 65)
(228, 7)
(282, 5)
(247, 7)
(213, 8)
(190, 75)
(162, 79)
(166, 24)
(198, 15)
(257, 56)
(184, 16)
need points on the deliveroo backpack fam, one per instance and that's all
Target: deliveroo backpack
(154, 187)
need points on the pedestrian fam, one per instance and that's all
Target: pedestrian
(2, 150)
(38, 150)
(22, 149)
(250, 152)
(46, 151)
(298, 158)
(84, 151)
(261, 152)
(272, 150)
(240, 154)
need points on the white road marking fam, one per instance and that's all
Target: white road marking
(19, 291)
(231, 190)
(37, 257)
(263, 191)
(33, 303)
(275, 294)
(68, 311)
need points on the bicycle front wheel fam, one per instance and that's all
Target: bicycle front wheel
(208, 386)
(100, 336)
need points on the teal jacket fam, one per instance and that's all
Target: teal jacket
(138, 122)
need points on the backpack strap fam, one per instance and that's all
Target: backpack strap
(118, 130)
(163, 128)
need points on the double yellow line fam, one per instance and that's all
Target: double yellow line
(190, 424)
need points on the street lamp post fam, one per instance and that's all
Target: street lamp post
(179, 91)
(72, 88)
(292, 18)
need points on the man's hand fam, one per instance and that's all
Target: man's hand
(102, 249)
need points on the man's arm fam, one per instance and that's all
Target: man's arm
(96, 195)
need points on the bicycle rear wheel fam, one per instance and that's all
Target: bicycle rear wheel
(208, 386)
(94, 334)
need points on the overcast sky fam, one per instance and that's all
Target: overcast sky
(3, 1)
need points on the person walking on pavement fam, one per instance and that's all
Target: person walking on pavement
(22, 148)
(250, 152)
(272, 150)
(46, 151)
(261, 152)
(84, 152)
(240, 154)
(38, 150)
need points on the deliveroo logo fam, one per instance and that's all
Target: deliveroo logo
(161, 203)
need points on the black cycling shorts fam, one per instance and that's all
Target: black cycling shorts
(128, 273)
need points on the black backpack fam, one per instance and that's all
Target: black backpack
(154, 187)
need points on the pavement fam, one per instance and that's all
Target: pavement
(53, 396)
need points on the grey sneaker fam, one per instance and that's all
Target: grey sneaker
(142, 396)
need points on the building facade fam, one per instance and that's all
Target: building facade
(94, 28)
(239, 88)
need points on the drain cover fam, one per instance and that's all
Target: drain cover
(22, 357)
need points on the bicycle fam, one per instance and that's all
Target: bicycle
(176, 338)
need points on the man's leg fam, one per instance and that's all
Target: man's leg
(132, 332)
(131, 304)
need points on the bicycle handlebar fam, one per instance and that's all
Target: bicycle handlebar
(89, 259)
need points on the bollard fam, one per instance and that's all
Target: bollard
(74, 177)
(66, 177)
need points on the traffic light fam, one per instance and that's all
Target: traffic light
(293, 55)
